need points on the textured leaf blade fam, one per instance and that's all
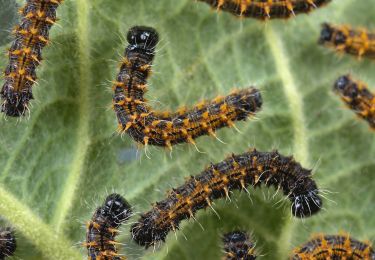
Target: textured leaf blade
(63, 160)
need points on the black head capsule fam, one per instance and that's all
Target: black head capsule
(14, 103)
(234, 237)
(8, 243)
(13, 110)
(254, 102)
(341, 83)
(116, 208)
(143, 37)
(145, 234)
(238, 245)
(305, 198)
(346, 87)
(332, 35)
(306, 205)
(326, 33)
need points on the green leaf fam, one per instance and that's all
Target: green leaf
(59, 165)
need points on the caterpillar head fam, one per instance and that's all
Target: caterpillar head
(8, 243)
(306, 205)
(116, 208)
(346, 87)
(143, 37)
(329, 34)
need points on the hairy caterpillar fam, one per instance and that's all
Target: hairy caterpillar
(217, 181)
(25, 54)
(103, 228)
(147, 126)
(7, 242)
(266, 9)
(238, 245)
(357, 97)
(358, 42)
(323, 247)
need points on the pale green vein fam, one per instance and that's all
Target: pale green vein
(49, 243)
(65, 203)
(294, 98)
(295, 101)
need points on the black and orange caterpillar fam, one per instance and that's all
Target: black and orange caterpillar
(238, 245)
(217, 181)
(25, 54)
(322, 247)
(147, 126)
(266, 9)
(357, 97)
(8, 243)
(103, 228)
(355, 41)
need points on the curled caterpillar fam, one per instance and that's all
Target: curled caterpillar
(238, 245)
(357, 97)
(147, 126)
(25, 54)
(323, 247)
(7, 242)
(103, 228)
(269, 9)
(357, 42)
(217, 181)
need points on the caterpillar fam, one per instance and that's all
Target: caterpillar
(323, 247)
(8, 243)
(266, 9)
(237, 172)
(357, 97)
(238, 245)
(25, 54)
(103, 228)
(355, 41)
(164, 128)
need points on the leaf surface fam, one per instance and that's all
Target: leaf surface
(58, 165)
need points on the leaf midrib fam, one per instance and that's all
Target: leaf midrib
(51, 245)
(68, 193)
(295, 101)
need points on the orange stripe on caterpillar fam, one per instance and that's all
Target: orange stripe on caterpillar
(160, 128)
(270, 9)
(343, 38)
(357, 97)
(7, 242)
(25, 54)
(103, 228)
(323, 247)
(217, 181)
(239, 245)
